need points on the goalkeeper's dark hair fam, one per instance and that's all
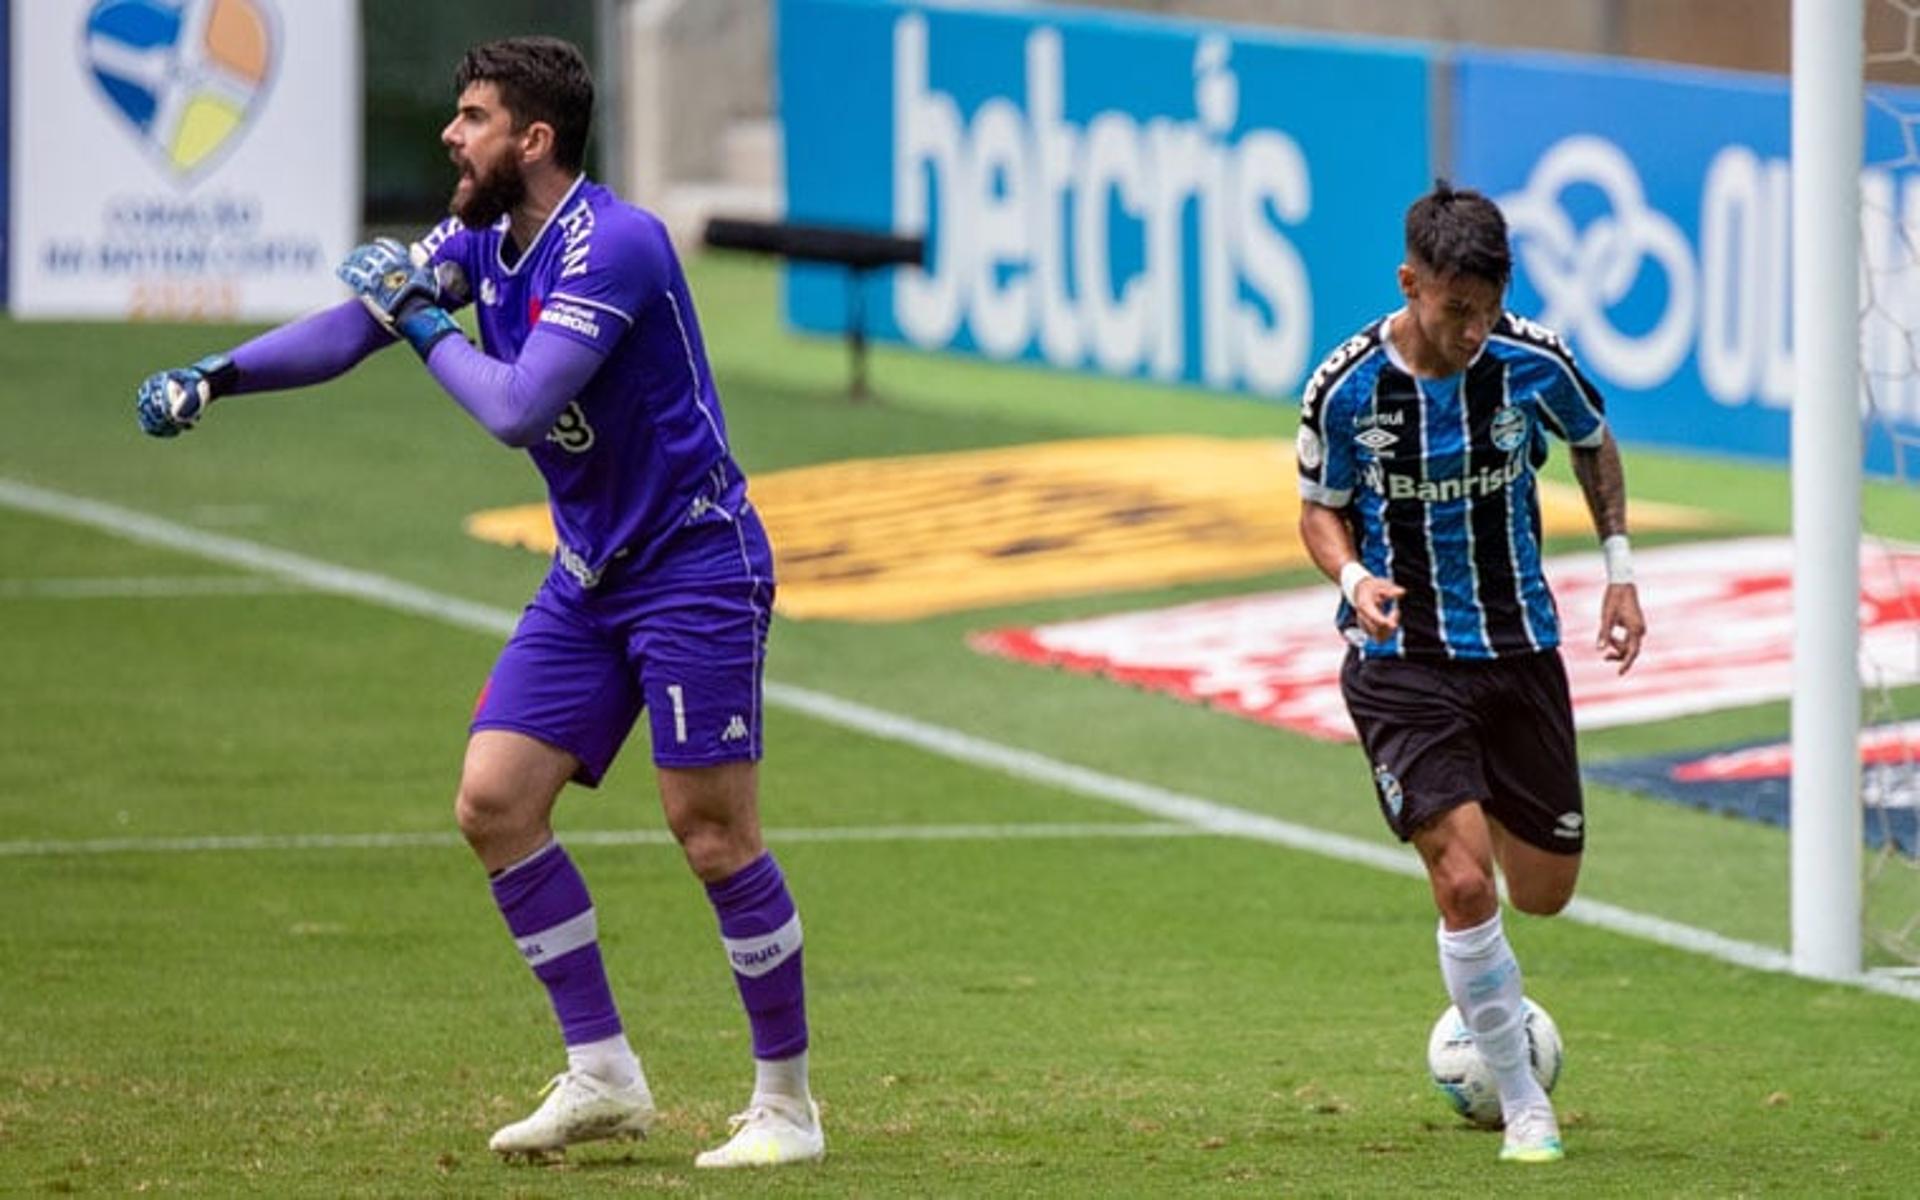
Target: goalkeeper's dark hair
(540, 79)
(1458, 231)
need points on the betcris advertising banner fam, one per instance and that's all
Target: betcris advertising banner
(182, 158)
(1144, 198)
(1650, 215)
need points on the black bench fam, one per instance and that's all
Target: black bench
(858, 250)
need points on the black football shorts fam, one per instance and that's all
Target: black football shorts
(1439, 734)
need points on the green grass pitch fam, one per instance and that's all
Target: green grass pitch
(1070, 999)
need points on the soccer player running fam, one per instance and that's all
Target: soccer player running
(661, 589)
(1418, 443)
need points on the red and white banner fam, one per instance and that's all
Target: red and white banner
(1720, 635)
(1880, 746)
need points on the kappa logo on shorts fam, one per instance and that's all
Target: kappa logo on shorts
(1569, 825)
(735, 730)
(1390, 791)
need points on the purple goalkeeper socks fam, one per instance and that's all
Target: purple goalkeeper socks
(761, 931)
(551, 917)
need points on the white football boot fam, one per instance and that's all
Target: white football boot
(577, 1108)
(769, 1135)
(1533, 1136)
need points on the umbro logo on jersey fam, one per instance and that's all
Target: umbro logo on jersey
(1376, 440)
(735, 730)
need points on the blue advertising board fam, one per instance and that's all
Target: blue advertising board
(1649, 208)
(1146, 198)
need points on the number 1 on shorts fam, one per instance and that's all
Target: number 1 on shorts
(679, 697)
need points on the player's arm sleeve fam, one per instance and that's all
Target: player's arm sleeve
(610, 275)
(516, 402)
(1571, 404)
(332, 341)
(310, 350)
(1323, 453)
(617, 271)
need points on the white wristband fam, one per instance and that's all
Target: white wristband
(1619, 558)
(1350, 577)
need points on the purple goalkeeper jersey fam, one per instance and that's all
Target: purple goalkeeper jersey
(641, 450)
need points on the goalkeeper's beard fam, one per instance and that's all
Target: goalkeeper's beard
(490, 197)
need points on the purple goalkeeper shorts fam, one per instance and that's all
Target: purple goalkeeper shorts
(688, 644)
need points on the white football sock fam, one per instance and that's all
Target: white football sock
(610, 1060)
(782, 1081)
(1483, 978)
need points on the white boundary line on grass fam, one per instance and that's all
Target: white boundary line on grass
(1197, 813)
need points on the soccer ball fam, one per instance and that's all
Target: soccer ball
(1461, 1075)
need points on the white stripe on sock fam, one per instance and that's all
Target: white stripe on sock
(564, 938)
(755, 956)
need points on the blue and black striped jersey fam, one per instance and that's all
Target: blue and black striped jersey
(1437, 480)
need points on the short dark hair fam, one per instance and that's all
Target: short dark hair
(540, 79)
(1458, 231)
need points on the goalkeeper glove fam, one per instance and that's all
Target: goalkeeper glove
(403, 293)
(172, 402)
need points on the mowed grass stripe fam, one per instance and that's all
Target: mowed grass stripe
(155, 587)
(1005, 831)
(1206, 815)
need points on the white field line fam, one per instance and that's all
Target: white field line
(1014, 831)
(1205, 815)
(144, 587)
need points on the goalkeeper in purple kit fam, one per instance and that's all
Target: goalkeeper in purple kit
(662, 585)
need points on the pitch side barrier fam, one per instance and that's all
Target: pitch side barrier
(6, 144)
(1141, 197)
(1660, 247)
(171, 165)
(1218, 206)
(859, 251)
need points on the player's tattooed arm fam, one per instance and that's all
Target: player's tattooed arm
(1623, 627)
(1604, 482)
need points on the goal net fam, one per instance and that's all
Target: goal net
(1890, 501)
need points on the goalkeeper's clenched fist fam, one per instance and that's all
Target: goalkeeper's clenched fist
(402, 292)
(172, 402)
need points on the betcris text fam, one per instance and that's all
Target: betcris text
(1096, 243)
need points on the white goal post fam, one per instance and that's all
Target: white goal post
(1828, 131)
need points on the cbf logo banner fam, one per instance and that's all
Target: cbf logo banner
(1144, 198)
(1650, 215)
(178, 158)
